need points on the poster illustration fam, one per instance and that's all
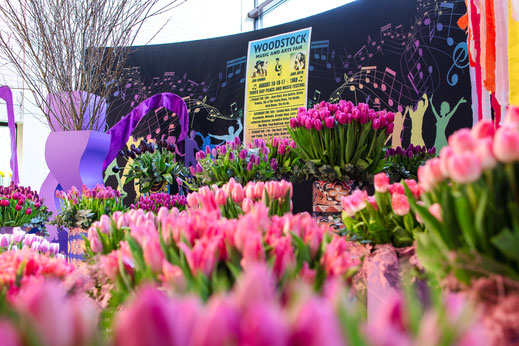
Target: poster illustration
(276, 82)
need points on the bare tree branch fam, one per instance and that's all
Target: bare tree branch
(63, 46)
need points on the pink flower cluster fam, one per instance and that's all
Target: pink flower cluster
(470, 152)
(215, 197)
(50, 316)
(358, 199)
(252, 314)
(21, 194)
(331, 115)
(206, 239)
(99, 192)
(154, 201)
(18, 268)
(21, 240)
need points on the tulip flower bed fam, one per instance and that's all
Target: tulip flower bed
(201, 251)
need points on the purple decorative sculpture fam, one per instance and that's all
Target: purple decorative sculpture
(7, 96)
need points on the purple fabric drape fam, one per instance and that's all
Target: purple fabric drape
(120, 132)
(7, 96)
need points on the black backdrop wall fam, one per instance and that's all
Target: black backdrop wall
(407, 56)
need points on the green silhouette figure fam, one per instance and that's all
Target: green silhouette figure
(442, 121)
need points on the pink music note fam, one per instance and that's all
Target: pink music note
(392, 77)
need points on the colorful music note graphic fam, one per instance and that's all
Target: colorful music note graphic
(459, 60)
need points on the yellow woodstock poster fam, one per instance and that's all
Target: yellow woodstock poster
(276, 84)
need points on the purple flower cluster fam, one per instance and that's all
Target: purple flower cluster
(155, 201)
(145, 146)
(99, 192)
(411, 152)
(345, 112)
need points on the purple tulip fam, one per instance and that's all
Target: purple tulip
(237, 140)
(398, 151)
(249, 165)
(282, 149)
(275, 142)
(318, 124)
(309, 123)
(243, 154)
(4, 242)
(355, 114)
(192, 170)
(258, 161)
(410, 154)
(199, 168)
(231, 156)
(389, 128)
(390, 117)
(274, 164)
(375, 124)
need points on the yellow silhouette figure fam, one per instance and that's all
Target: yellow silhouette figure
(396, 136)
(417, 120)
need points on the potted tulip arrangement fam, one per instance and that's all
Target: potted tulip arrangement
(284, 160)
(22, 207)
(403, 163)
(79, 209)
(342, 146)
(153, 166)
(231, 160)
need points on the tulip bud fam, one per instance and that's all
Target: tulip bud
(237, 194)
(4, 242)
(221, 198)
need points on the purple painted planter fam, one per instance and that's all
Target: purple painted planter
(74, 158)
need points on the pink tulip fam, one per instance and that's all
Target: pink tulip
(221, 198)
(237, 194)
(284, 257)
(354, 202)
(430, 174)
(263, 324)
(152, 252)
(397, 188)
(389, 325)
(462, 141)
(9, 335)
(484, 151)
(445, 154)
(337, 258)
(252, 249)
(192, 200)
(47, 305)
(218, 325)
(400, 204)
(249, 191)
(483, 129)
(256, 284)
(246, 205)
(381, 182)
(95, 243)
(18, 235)
(316, 325)
(464, 168)
(150, 319)
(373, 201)
(206, 198)
(258, 190)
(506, 144)
(329, 122)
(436, 211)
